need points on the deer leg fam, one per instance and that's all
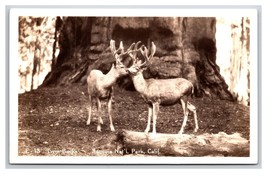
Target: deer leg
(99, 115)
(184, 105)
(192, 108)
(109, 113)
(149, 118)
(89, 110)
(155, 114)
(99, 111)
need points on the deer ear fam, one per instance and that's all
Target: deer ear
(117, 63)
(144, 67)
(139, 62)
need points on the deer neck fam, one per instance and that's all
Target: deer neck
(111, 77)
(139, 82)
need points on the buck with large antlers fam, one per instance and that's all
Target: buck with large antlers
(160, 91)
(100, 86)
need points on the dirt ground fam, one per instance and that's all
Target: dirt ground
(52, 121)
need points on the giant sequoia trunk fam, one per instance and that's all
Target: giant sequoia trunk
(185, 48)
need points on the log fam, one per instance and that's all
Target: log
(187, 145)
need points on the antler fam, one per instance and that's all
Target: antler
(135, 51)
(113, 48)
(145, 53)
(121, 49)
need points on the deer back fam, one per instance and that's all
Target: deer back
(166, 91)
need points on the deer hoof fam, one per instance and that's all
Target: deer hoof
(195, 130)
(112, 128)
(98, 129)
(88, 122)
(101, 121)
(154, 132)
(180, 132)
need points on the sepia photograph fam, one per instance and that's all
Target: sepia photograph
(134, 88)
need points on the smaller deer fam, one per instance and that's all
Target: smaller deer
(100, 86)
(157, 92)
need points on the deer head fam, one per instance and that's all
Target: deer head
(118, 54)
(138, 65)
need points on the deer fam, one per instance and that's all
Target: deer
(164, 92)
(100, 86)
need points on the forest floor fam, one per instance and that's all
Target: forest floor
(52, 120)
